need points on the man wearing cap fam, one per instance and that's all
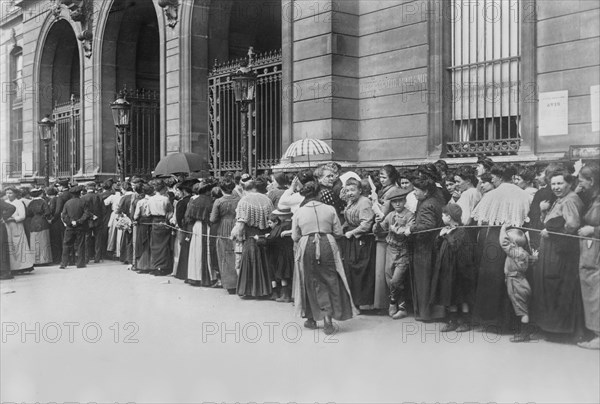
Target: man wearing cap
(75, 215)
(94, 204)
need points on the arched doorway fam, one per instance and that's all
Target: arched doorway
(131, 65)
(59, 91)
(232, 27)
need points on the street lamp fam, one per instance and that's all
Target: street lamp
(121, 111)
(46, 133)
(244, 88)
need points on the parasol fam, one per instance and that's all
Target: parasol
(179, 163)
(307, 147)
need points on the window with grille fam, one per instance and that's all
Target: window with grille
(16, 113)
(485, 68)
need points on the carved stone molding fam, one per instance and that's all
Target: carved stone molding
(80, 11)
(171, 9)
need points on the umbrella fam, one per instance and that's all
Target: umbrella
(306, 147)
(179, 163)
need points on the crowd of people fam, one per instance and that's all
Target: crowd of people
(517, 247)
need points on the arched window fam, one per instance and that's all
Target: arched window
(16, 112)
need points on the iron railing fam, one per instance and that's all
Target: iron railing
(225, 142)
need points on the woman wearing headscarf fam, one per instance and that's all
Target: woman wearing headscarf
(321, 291)
(199, 272)
(506, 204)
(556, 294)
(21, 257)
(327, 176)
(427, 217)
(252, 214)
(222, 217)
(589, 255)
(39, 237)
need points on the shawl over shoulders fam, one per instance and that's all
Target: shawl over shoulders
(254, 210)
(506, 204)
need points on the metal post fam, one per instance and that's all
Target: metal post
(47, 150)
(72, 136)
(245, 150)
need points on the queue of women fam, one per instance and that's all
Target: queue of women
(496, 244)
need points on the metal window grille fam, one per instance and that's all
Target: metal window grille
(486, 57)
(265, 116)
(65, 147)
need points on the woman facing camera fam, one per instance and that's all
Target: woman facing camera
(321, 291)
(556, 293)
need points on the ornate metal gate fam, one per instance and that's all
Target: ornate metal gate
(142, 142)
(65, 147)
(225, 132)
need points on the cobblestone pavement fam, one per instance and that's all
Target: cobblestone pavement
(106, 334)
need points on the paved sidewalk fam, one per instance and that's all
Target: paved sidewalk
(106, 334)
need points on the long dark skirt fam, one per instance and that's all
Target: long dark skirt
(4, 252)
(226, 255)
(254, 279)
(358, 255)
(160, 245)
(556, 297)
(325, 294)
(421, 272)
(142, 245)
(492, 304)
(126, 247)
(212, 244)
(184, 255)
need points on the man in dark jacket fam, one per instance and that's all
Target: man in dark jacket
(75, 215)
(56, 223)
(95, 205)
(6, 211)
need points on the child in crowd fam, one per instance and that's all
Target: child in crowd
(397, 254)
(452, 283)
(513, 242)
(280, 253)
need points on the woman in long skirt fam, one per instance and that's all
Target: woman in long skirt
(223, 218)
(321, 290)
(182, 245)
(39, 237)
(427, 217)
(589, 258)
(21, 257)
(359, 247)
(161, 211)
(252, 215)
(143, 228)
(509, 204)
(198, 213)
(556, 294)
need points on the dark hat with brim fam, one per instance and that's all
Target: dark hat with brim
(187, 185)
(36, 192)
(63, 182)
(76, 190)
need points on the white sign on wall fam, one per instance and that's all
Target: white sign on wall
(553, 113)
(595, 105)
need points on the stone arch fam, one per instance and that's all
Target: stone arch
(129, 53)
(58, 72)
(207, 36)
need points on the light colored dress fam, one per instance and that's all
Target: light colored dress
(21, 256)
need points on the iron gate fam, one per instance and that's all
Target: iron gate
(65, 147)
(225, 134)
(142, 141)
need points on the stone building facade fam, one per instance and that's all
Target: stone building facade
(388, 81)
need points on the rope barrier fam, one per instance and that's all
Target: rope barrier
(417, 232)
